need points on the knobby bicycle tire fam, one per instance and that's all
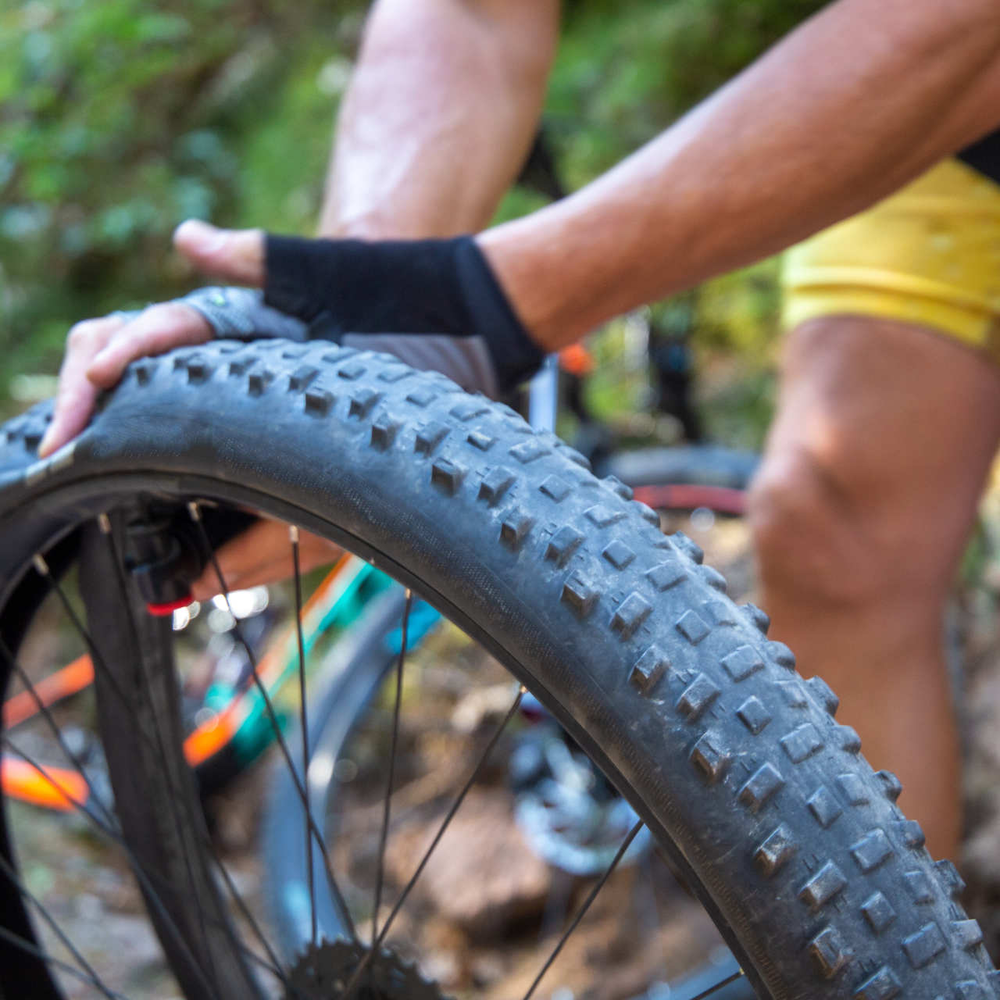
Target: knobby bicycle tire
(793, 844)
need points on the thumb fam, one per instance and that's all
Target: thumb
(236, 255)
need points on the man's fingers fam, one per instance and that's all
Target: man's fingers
(98, 350)
(158, 329)
(76, 394)
(237, 255)
(262, 554)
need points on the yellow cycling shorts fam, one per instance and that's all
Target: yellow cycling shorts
(929, 254)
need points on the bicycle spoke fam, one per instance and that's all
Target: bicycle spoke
(394, 743)
(42, 568)
(110, 830)
(645, 899)
(45, 712)
(109, 826)
(99, 663)
(556, 904)
(720, 984)
(144, 878)
(90, 976)
(341, 903)
(352, 983)
(275, 964)
(114, 835)
(53, 689)
(592, 895)
(293, 534)
(95, 979)
(33, 949)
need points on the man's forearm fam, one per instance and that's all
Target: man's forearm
(849, 107)
(439, 115)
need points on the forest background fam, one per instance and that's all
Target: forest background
(120, 118)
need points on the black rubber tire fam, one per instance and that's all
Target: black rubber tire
(697, 464)
(687, 477)
(793, 843)
(143, 745)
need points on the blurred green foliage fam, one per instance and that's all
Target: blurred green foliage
(119, 118)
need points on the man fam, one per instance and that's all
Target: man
(884, 429)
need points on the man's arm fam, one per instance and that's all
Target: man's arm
(852, 105)
(439, 116)
(436, 123)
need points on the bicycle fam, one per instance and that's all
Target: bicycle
(792, 844)
(224, 714)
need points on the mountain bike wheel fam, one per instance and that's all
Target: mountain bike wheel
(792, 844)
(687, 477)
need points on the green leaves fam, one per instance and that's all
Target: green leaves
(119, 119)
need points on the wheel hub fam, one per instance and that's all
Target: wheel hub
(323, 970)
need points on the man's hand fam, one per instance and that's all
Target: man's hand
(433, 303)
(99, 350)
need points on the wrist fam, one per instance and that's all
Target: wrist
(435, 288)
(538, 302)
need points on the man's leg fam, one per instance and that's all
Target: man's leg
(883, 437)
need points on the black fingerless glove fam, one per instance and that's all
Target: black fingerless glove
(414, 290)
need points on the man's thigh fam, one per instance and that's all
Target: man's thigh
(890, 399)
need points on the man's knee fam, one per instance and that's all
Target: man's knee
(813, 542)
(877, 456)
